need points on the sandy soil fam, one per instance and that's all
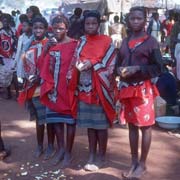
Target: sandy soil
(19, 133)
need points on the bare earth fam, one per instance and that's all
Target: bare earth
(19, 133)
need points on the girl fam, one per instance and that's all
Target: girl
(8, 42)
(23, 40)
(138, 61)
(32, 85)
(91, 87)
(54, 87)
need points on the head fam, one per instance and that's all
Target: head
(6, 20)
(39, 27)
(156, 16)
(23, 17)
(32, 12)
(116, 19)
(137, 19)
(78, 11)
(13, 13)
(91, 22)
(26, 26)
(60, 27)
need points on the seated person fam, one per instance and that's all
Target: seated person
(167, 87)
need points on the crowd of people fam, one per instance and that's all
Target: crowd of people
(65, 72)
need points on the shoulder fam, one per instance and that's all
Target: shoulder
(152, 41)
(105, 38)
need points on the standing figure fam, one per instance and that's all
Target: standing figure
(54, 90)
(91, 87)
(31, 90)
(138, 61)
(154, 28)
(8, 43)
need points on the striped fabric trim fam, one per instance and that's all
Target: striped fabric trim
(105, 59)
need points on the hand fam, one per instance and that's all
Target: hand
(33, 79)
(85, 65)
(51, 42)
(128, 71)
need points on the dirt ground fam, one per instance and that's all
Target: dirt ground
(19, 133)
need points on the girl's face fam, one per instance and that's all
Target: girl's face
(39, 30)
(26, 27)
(91, 25)
(59, 31)
(5, 23)
(136, 21)
(29, 14)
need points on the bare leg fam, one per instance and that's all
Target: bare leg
(59, 131)
(69, 144)
(133, 139)
(4, 152)
(15, 82)
(51, 136)
(1, 141)
(40, 139)
(102, 141)
(146, 142)
(92, 138)
(8, 93)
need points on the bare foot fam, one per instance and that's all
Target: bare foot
(92, 158)
(5, 153)
(100, 162)
(59, 157)
(67, 160)
(139, 171)
(50, 151)
(38, 152)
(131, 170)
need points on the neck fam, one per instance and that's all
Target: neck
(138, 34)
(64, 40)
(28, 34)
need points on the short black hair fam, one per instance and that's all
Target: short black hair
(40, 19)
(93, 13)
(61, 19)
(138, 8)
(78, 11)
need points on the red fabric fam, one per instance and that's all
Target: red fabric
(61, 104)
(94, 50)
(19, 30)
(134, 42)
(30, 62)
(6, 41)
(138, 104)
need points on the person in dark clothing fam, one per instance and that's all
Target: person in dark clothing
(167, 86)
(138, 61)
(75, 29)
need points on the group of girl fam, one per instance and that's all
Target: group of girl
(73, 83)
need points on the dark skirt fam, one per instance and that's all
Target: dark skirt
(40, 111)
(91, 116)
(55, 117)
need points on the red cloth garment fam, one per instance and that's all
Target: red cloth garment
(138, 103)
(135, 42)
(137, 99)
(6, 44)
(54, 89)
(100, 51)
(30, 61)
